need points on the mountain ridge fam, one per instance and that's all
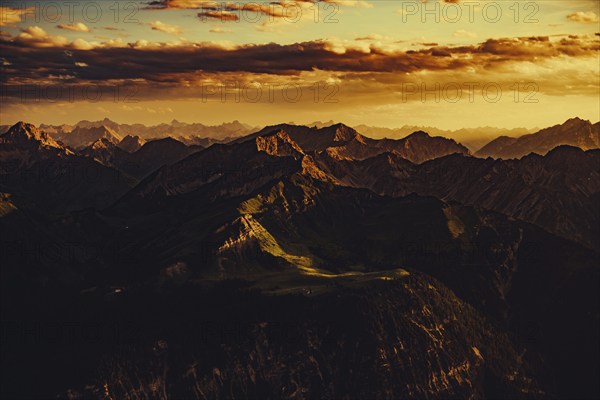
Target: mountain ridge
(48, 177)
(346, 142)
(575, 132)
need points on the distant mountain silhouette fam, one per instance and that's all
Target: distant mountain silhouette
(472, 138)
(225, 131)
(574, 132)
(82, 137)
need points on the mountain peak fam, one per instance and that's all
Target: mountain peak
(343, 133)
(82, 137)
(23, 133)
(575, 132)
(575, 120)
(564, 152)
(91, 124)
(574, 123)
(23, 128)
(22, 124)
(177, 124)
(102, 143)
(320, 124)
(418, 134)
(131, 143)
(340, 125)
(280, 144)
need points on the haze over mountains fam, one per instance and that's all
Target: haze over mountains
(574, 132)
(175, 129)
(473, 138)
(330, 264)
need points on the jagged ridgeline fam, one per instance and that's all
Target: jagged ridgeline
(297, 263)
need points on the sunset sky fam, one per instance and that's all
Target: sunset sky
(448, 64)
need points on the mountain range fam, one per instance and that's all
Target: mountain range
(301, 262)
(52, 178)
(483, 141)
(473, 138)
(174, 129)
(574, 132)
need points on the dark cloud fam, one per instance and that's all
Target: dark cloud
(159, 59)
(274, 9)
(218, 15)
(39, 60)
(440, 52)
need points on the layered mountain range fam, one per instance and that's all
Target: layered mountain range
(175, 129)
(483, 141)
(473, 138)
(574, 132)
(299, 262)
(48, 176)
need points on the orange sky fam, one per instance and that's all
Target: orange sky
(448, 64)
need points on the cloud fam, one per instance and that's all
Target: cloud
(103, 110)
(181, 4)
(34, 32)
(268, 16)
(220, 30)
(80, 44)
(218, 15)
(37, 37)
(373, 36)
(78, 27)
(290, 10)
(585, 17)
(350, 3)
(180, 69)
(166, 28)
(273, 8)
(10, 16)
(327, 55)
(426, 44)
(34, 36)
(461, 33)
